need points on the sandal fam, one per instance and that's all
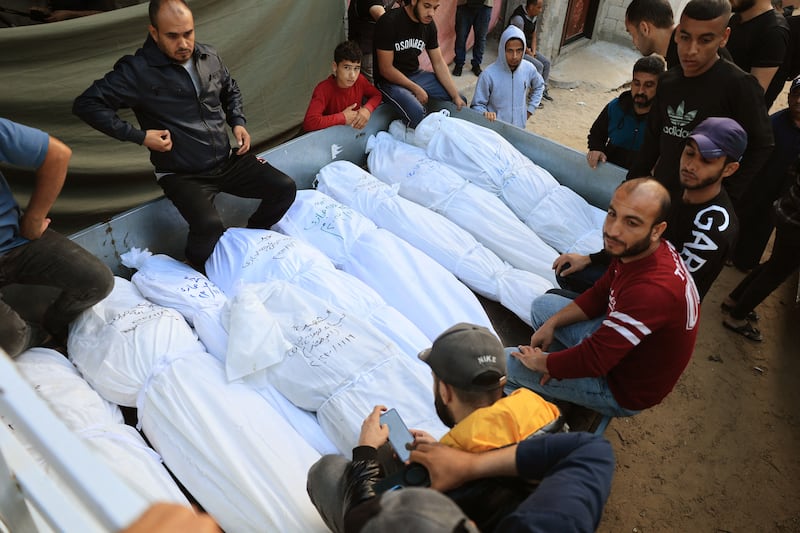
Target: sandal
(745, 330)
(752, 316)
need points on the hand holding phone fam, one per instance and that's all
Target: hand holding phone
(400, 437)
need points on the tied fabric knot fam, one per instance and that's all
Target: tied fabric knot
(161, 364)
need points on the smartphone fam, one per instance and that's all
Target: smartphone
(399, 435)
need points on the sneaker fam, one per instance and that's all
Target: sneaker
(476, 69)
(547, 96)
(457, 70)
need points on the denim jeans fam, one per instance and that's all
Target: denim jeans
(54, 261)
(471, 17)
(244, 176)
(406, 103)
(591, 392)
(541, 63)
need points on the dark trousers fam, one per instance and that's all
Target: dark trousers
(471, 17)
(246, 176)
(55, 261)
(768, 276)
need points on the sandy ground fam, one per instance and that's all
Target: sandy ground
(720, 454)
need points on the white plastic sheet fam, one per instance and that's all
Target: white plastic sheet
(325, 360)
(436, 186)
(254, 256)
(241, 460)
(413, 283)
(99, 424)
(170, 283)
(448, 244)
(559, 216)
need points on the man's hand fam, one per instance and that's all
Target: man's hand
(422, 437)
(448, 467)
(350, 114)
(420, 94)
(594, 157)
(491, 117)
(170, 518)
(372, 432)
(543, 336)
(242, 139)
(534, 359)
(576, 262)
(32, 227)
(459, 102)
(158, 140)
(362, 117)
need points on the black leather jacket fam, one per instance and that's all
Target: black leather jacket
(162, 96)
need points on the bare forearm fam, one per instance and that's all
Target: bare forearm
(50, 177)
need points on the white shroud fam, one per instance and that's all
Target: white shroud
(436, 186)
(556, 213)
(410, 281)
(233, 452)
(448, 244)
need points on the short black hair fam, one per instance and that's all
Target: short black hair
(155, 6)
(652, 64)
(707, 9)
(659, 191)
(656, 12)
(531, 2)
(347, 51)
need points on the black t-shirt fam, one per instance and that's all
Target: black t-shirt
(704, 234)
(361, 25)
(396, 31)
(682, 103)
(760, 42)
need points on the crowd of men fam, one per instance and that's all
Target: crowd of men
(693, 133)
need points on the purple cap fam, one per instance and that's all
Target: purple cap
(720, 136)
(795, 84)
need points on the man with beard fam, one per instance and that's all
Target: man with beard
(469, 370)
(703, 225)
(704, 86)
(621, 346)
(618, 131)
(185, 127)
(759, 43)
(401, 35)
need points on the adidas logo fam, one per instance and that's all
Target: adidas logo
(679, 118)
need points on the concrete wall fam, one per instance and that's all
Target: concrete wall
(609, 25)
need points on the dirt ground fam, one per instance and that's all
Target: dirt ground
(721, 453)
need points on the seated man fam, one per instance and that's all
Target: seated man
(621, 346)
(339, 100)
(510, 89)
(185, 127)
(401, 35)
(33, 254)
(618, 131)
(703, 226)
(574, 472)
(469, 371)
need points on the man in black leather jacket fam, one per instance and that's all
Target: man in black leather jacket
(184, 97)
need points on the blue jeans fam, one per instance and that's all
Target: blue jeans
(471, 17)
(404, 100)
(541, 63)
(591, 392)
(54, 261)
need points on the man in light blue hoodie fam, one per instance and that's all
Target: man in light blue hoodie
(510, 89)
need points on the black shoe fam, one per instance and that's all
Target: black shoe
(476, 69)
(547, 96)
(457, 70)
